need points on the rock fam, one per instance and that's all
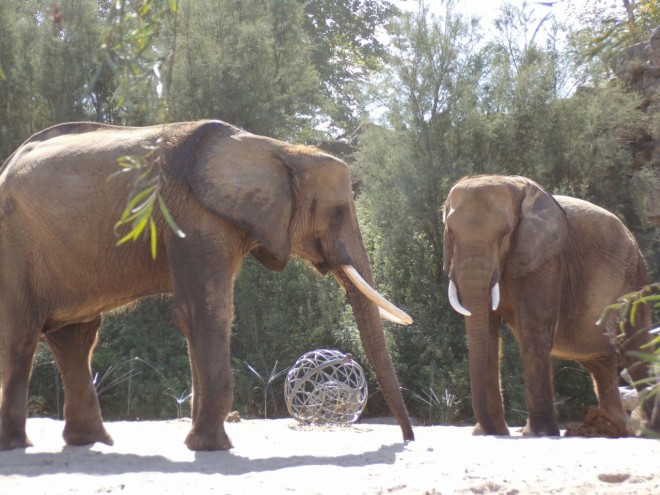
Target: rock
(233, 417)
(629, 398)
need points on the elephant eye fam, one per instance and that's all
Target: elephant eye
(337, 215)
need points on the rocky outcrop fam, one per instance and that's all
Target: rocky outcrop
(639, 69)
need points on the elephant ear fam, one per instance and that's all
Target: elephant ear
(268, 260)
(242, 180)
(541, 233)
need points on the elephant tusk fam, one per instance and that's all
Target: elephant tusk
(387, 310)
(495, 296)
(386, 315)
(453, 299)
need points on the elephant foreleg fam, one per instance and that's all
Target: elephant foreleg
(212, 390)
(539, 392)
(208, 347)
(203, 309)
(494, 390)
(535, 324)
(72, 346)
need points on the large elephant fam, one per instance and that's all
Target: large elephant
(230, 192)
(548, 266)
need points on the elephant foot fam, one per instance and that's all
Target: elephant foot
(540, 429)
(203, 441)
(78, 436)
(500, 430)
(15, 441)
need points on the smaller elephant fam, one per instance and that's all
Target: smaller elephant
(547, 266)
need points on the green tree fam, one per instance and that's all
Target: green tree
(407, 164)
(247, 63)
(606, 28)
(49, 59)
(347, 49)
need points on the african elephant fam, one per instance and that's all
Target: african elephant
(547, 266)
(230, 192)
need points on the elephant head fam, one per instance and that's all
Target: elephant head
(298, 201)
(495, 227)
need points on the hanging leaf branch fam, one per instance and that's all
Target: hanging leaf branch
(626, 309)
(139, 48)
(627, 306)
(138, 215)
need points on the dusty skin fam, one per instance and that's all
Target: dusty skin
(280, 456)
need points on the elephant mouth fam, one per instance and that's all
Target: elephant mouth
(387, 310)
(452, 293)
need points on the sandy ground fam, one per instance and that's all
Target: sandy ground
(280, 457)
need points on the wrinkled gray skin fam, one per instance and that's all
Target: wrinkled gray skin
(230, 191)
(559, 262)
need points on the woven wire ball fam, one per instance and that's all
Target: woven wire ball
(326, 386)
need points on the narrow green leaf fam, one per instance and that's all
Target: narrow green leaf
(633, 313)
(130, 161)
(118, 172)
(125, 221)
(147, 203)
(135, 201)
(169, 219)
(2, 74)
(154, 240)
(128, 237)
(140, 223)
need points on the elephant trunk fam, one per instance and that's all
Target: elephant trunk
(478, 296)
(478, 338)
(372, 336)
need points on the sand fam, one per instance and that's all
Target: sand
(282, 457)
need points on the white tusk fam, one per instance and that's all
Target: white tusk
(495, 295)
(386, 315)
(453, 299)
(387, 310)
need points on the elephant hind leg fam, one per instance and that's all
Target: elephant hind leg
(72, 347)
(17, 349)
(605, 376)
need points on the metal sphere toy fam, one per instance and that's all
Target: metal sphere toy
(326, 386)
